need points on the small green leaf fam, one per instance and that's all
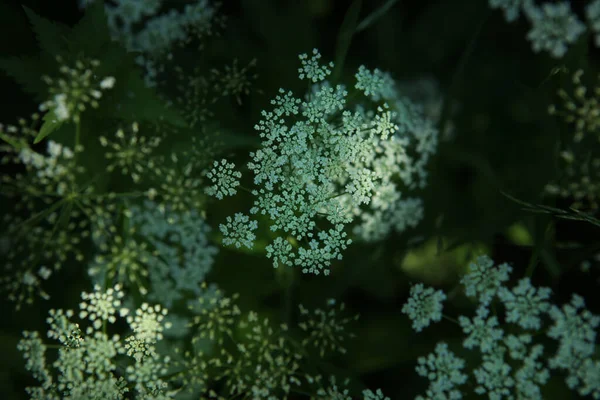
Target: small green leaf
(519, 235)
(345, 37)
(13, 143)
(51, 123)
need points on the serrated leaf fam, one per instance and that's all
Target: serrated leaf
(345, 37)
(91, 33)
(51, 35)
(51, 123)
(26, 71)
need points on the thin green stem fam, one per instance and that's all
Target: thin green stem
(375, 15)
(450, 319)
(288, 295)
(245, 189)
(77, 138)
(457, 75)
(41, 214)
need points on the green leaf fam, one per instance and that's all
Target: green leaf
(26, 71)
(518, 234)
(91, 33)
(12, 142)
(51, 123)
(51, 35)
(345, 37)
(130, 99)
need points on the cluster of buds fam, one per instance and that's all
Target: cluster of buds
(75, 89)
(130, 152)
(581, 108)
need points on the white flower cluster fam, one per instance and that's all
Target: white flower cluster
(180, 187)
(554, 26)
(100, 307)
(182, 254)
(130, 153)
(513, 365)
(141, 29)
(484, 279)
(121, 258)
(575, 329)
(482, 330)
(525, 304)
(42, 179)
(325, 163)
(331, 389)
(376, 84)
(326, 329)
(224, 179)
(91, 365)
(239, 231)
(311, 69)
(444, 370)
(266, 362)
(377, 395)
(424, 306)
(147, 323)
(54, 169)
(592, 14)
(233, 80)
(511, 8)
(579, 177)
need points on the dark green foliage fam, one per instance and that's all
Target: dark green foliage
(498, 150)
(130, 100)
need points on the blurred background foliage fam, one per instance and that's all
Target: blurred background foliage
(497, 138)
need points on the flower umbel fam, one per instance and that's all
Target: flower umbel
(424, 306)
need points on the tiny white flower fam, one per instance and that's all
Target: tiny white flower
(61, 109)
(107, 83)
